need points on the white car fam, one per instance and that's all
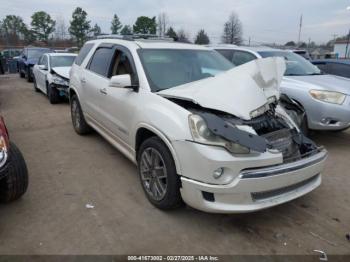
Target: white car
(51, 75)
(198, 130)
(321, 100)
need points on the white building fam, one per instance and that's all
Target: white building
(340, 48)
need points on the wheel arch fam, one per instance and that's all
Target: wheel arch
(145, 131)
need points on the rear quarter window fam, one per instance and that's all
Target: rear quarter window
(83, 53)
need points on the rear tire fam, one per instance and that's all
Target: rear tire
(36, 89)
(78, 120)
(21, 74)
(158, 176)
(15, 183)
(53, 94)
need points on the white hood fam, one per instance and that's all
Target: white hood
(238, 91)
(62, 71)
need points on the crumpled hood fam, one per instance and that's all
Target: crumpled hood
(62, 71)
(322, 82)
(238, 91)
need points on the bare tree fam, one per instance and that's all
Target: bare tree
(162, 24)
(61, 31)
(232, 30)
(183, 36)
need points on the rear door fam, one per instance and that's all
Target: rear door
(95, 81)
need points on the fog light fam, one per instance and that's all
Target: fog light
(218, 173)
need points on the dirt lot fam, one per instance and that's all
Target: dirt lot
(68, 171)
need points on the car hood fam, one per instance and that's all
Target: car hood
(32, 61)
(62, 71)
(238, 91)
(321, 82)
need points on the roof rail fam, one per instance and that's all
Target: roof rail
(133, 37)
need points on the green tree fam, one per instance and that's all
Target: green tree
(96, 30)
(232, 30)
(12, 26)
(202, 38)
(42, 25)
(126, 30)
(116, 25)
(290, 43)
(171, 33)
(79, 26)
(145, 25)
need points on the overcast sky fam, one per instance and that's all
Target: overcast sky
(263, 20)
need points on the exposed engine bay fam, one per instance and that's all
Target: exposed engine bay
(273, 132)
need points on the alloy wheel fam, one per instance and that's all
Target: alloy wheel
(153, 173)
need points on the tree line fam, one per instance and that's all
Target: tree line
(44, 28)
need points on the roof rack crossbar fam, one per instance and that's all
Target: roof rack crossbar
(135, 37)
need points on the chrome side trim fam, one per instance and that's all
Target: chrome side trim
(280, 169)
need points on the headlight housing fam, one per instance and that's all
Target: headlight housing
(201, 134)
(59, 81)
(328, 96)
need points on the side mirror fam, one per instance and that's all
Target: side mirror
(121, 81)
(42, 67)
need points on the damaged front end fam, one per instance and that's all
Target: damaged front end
(268, 132)
(240, 111)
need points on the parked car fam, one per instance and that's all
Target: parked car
(11, 53)
(339, 67)
(13, 169)
(324, 98)
(28, 58)
(303, 53)
(198, 130)
(51, 75)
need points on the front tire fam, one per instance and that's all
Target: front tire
(15, 183)
(78, 120)
(28, 76)
(52, 94)
(158, 176)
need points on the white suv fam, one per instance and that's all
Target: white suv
(198, 130)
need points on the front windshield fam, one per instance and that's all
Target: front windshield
(60, 61)
(167, 68)
(36, 53)
(296, 65)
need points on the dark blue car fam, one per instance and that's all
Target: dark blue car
(28, 58)
(339, 67)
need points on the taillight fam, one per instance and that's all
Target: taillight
(4, 142)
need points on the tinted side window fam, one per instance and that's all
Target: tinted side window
(322, 66)
(83, 53)
(340, 70)
(226, 53)
(44, 61)
(241, 57)
(101, 61)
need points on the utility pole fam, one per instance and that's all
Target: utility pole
(347, 46)
(300, 26)
(249, 42)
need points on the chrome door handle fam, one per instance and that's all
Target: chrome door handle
(103, 91)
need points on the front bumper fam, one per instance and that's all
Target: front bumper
(327, 116)
(253, 188)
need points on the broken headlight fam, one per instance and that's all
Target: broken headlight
(59, 81)
(202, 134)
(328, 96)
